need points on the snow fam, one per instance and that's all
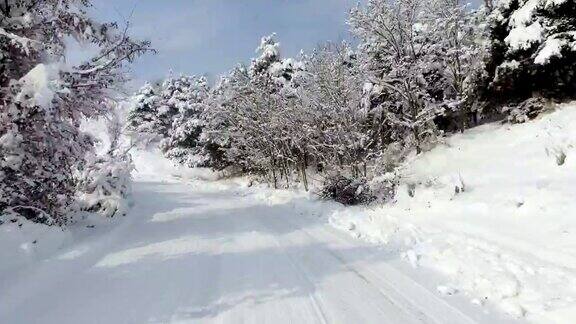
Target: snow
(552, 48)
(199, 251)
(23, 42)
(512, 65)
(38, 85)
(149, 166)
(524, 14)
(24, 243)
(553, 3)
(268, 47)
(487, 237)
(522, 37)
(507, 239)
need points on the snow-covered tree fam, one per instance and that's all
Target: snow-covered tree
(269, 65)
(173, 100)
(143, 117)
(401, 67)
(219, 129)
(250, 117)
(334, 128)
(422, 60)
(269, 50)
(104, 180)
(533, 49)
(183, 143)
(42, 99)
(458, 37)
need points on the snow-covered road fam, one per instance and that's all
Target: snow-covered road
(189, 255)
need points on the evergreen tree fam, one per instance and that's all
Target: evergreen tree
(142, 118)
(533, 50)
(183, 143)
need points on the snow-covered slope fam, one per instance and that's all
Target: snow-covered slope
(494, 211)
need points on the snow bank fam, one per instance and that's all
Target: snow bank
(494, 210)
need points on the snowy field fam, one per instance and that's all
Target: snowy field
(486, 235)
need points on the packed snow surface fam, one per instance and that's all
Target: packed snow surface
(198, 251)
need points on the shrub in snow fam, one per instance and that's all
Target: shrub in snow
(525, 110)
(38, 147)
(105, 184)
(104, 180)
(533, 49)
(346, 190)
(384, 187)
(559, 154)
(32, 214)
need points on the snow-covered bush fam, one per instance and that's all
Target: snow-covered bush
(104, 184)
(354, 191)
(383, 187)
(346, 190)
(525, 110)
(104, 180)
(32, 214)
(38, 148)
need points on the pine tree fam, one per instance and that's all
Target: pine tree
(183, 143)
(533, 50)
(142, 118)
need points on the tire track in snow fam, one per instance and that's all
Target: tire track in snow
(368, 275)
(407, 312)
(304, 277)
(422, 292)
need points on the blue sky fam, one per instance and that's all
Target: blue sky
(208, 37)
